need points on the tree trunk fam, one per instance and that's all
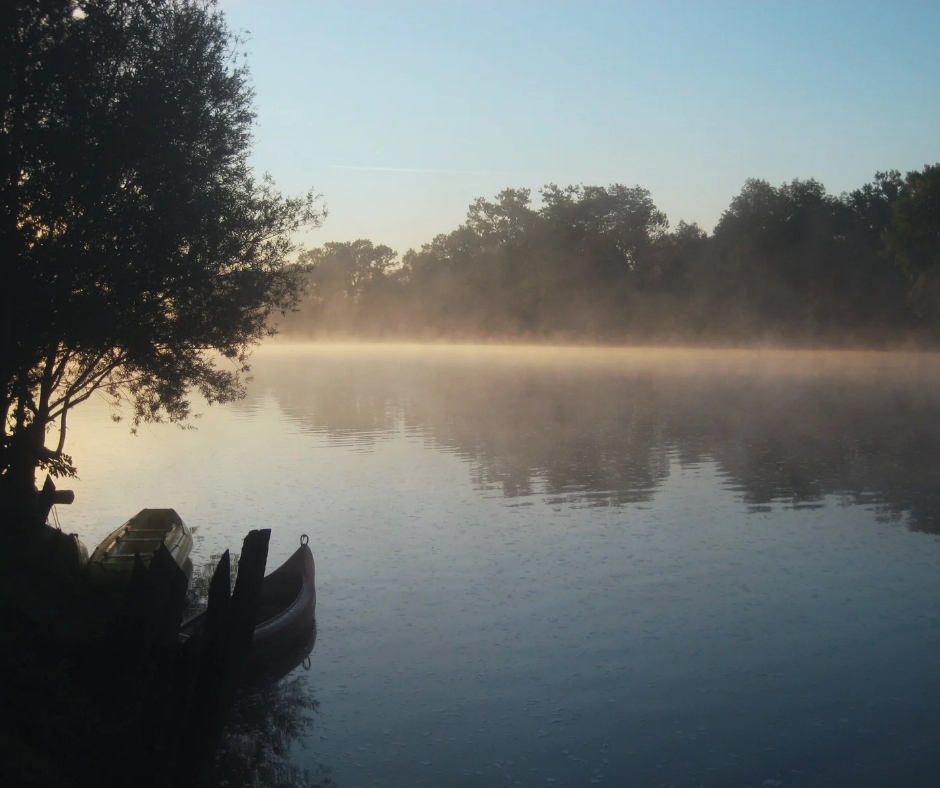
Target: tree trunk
(18, 494)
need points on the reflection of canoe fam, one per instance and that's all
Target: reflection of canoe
(142, 534)
(285, 625)
(278, 663)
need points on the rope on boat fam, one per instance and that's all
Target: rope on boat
(304, 539)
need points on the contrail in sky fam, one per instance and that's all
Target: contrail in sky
(415, 169)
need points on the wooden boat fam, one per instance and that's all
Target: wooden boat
(142, 534)
(285, 624)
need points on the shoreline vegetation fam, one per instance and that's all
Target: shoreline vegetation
(96, 692)
(786, 265)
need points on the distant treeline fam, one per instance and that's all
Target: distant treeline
(785, 263)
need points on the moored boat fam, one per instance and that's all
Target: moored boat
(142, 535)
(285, 624)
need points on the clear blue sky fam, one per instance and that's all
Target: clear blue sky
(442, 102)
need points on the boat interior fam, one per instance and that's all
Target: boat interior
(143, 541)
(277, 593)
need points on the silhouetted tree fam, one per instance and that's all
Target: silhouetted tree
(342, 277)
(614, 227)
(873, 204)
(795, 260)
(789, 263)
(137, 245)
(676, 257)
(913, 237)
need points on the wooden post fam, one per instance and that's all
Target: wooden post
(154, 604)
(163, 701)
(245, 601)
(145, 667)
(205, 652)
(224, 645)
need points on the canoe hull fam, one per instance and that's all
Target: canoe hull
(292, 623)
(285, 627)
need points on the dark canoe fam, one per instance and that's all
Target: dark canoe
(285, 625)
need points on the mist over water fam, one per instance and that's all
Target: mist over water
(559, 566)
(600, 426)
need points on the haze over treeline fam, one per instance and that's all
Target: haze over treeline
(788, 263)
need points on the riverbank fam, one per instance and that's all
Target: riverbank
(82, 705)
(57, 727)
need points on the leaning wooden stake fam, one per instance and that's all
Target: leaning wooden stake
(223, 647)
(204, 653)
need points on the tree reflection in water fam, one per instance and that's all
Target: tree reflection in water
(604, 428)
(266, 723)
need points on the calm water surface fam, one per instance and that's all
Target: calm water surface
(576, 567)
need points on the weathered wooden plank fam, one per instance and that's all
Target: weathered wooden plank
(173, 583)
(201, 719)
(63, 497)
(245, 601)
(224, 656)
(212, 645)
(154, 608)
(130, 620)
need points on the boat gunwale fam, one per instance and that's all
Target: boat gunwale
(300, 563)
(104, 555)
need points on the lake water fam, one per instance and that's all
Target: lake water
(571, 567)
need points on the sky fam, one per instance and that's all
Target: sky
(402, 113)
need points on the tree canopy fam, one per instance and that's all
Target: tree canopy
(913, 237)
(787, 263)
(342, 275)
(141, 256)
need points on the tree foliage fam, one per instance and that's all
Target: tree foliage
(798, 257)
(913, 236)
(789, 263)
(138, 247)
(343, 275)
